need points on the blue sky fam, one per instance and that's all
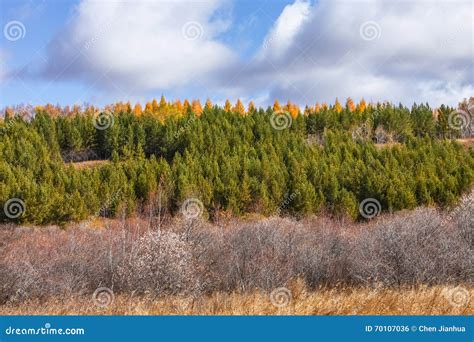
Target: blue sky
(101, 52)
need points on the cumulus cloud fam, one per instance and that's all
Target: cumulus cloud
(400, 51)
(381, 50)
(141, 45)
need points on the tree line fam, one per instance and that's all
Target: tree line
(280, 160)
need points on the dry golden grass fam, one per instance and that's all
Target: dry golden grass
(421, 300)
(467, 142)
(88, 164)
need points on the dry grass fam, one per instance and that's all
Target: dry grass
(87, 164)
(421, 300)
(467, 142)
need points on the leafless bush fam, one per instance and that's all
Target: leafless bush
(193, 257)
(411, 248)
(159, 262)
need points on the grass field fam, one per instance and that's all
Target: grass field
(422, 300)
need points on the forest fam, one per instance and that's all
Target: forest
(231, 160)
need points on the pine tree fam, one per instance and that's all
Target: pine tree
(251, 107)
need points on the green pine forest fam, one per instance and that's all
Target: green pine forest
(233, 161)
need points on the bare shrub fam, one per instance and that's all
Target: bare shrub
(409, 249)
(194, 257)
(159, 262)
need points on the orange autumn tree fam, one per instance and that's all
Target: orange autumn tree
(208, 105)
(350, 104)
(227, 106)
(276, 106)
(239, 107)
(154, 106)
(317, 107)
(292, 108)
(186, 106)
(148, 108)
(196, 107)
(137, 110)
(178, 106)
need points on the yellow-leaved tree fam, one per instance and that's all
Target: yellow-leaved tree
(186, 106)
(196, 107)
(276, 106)
(337, 106)
(227, 106)
(208, 105)
(137, 110)
(239, 107)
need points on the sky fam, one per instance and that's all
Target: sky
(99, 52)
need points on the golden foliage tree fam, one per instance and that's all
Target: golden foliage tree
(317, 107)
(337, 106)
(154, 106)
(276, 106)
(208, 105)
(227, 106)
(186, 106)
(179, 106)
(239, 107)
(137, 110)
(196, 107)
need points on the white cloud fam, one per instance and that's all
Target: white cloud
(315, 51)
(141, 45)
(282, 34)
(417, 51)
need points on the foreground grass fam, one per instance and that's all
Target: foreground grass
(421, 300)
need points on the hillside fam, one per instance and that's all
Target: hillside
(230, 160)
